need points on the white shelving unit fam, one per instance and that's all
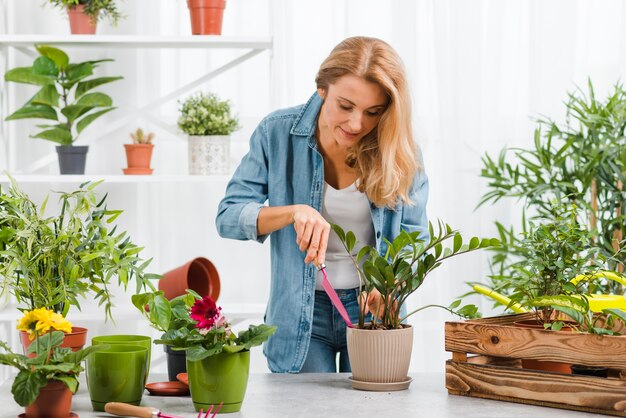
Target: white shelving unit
(250, 47)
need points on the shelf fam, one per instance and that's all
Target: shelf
(113, 178)
(141, 41)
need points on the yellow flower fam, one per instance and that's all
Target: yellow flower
(40, 321)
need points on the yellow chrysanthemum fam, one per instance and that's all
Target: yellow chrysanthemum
(39, 321)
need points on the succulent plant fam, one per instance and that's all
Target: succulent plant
(140, 138)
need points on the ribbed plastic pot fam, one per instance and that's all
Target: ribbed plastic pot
(380, 356)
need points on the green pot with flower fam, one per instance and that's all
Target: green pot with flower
(54, 261)
(218, 360)
(48, 373)
(380, 349)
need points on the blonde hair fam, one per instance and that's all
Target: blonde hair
(386, 160)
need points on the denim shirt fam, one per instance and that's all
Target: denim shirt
(284, 167)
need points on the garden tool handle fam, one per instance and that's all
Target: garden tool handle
(126, 410)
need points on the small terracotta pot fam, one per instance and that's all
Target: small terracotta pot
(206, 16)
(199, 275)
(138, 157)
(74, 340)
(80, 23)
(54, 401)
(549, 366)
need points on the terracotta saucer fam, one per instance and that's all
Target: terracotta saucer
(168, 389)
(380, 387)
(183, 378)
(72, 415)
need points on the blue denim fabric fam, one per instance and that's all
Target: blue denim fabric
(284, 167)
(328, 335)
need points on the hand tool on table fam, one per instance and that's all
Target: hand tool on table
(127, 410)
(334, 298)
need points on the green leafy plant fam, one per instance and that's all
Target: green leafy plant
(95, 9)
(387, 280)
(65, 98)
(50, 361)
(51, 261)
(206, 114)
(139, 137)
(581, 161)
(545, 260)
(197, 325)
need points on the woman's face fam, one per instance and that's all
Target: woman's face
(352, 108)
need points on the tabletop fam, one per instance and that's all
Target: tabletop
(326, 395)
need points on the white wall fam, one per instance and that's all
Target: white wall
(480, 70)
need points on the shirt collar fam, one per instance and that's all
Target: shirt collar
(306, 122)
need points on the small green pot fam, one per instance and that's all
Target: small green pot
(219, 378)
(127, 339)
(116, 374)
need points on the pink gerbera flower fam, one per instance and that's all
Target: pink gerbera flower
(206, 312)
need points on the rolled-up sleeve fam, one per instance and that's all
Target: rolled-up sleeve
(246, 192)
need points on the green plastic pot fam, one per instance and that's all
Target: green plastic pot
(219, 378)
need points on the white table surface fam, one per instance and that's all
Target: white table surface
(327, 396)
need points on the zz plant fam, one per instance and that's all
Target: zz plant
(388, 279)
(65, 99)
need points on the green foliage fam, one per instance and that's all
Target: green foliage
(51, 261)
(571, 162)
(399, 272)
(206, 114)
(51, 362)
(65, 100)
(577, 308)
(95, 9)
(181, 332)
(542, 263)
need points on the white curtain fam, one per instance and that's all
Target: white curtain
(480, 72)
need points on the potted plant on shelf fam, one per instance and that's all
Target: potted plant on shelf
(208, 122)
(206, 16)
(52, 261)
(380, 349)
(84, 14)
(218, 361)
(48, 373)
(139, 153)
(65, 100)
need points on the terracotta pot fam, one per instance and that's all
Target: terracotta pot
(206, 16)
(549, 366)
(380, 356)
(80, 23)
(198, 274)
(138, 157)
(54, 401)
(75, 340)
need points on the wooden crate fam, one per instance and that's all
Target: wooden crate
(486, 363)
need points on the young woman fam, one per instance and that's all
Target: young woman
(347, 157)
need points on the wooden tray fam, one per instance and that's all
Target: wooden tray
(486, 363)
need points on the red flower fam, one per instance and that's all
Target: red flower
(206, 312)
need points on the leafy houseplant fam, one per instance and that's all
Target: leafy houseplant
(139, 153)
(49, 262)
(51, 363)
(65, 99)
(218, 361)
(380, 350)
(208, 122)
(581, 161)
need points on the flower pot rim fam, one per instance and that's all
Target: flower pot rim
(356, 328)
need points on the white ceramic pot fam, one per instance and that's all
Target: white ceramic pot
(209, 154)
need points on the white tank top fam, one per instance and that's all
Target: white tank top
(349, 209)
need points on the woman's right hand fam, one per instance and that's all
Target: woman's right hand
(312, 232)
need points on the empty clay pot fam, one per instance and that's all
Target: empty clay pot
(199, 275)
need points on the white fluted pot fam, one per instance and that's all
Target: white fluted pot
(380, 356)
